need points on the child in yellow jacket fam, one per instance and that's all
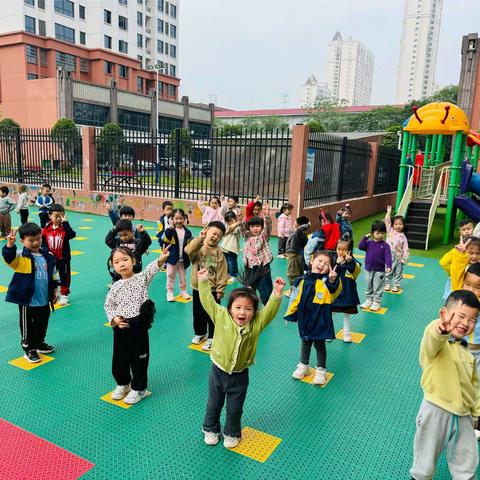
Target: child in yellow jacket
(450, 384)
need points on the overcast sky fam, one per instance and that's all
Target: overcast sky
(249, 53)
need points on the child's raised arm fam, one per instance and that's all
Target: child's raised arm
(267, 314)
(362, 245)
(206, 297)
(388, 218)
(194, 246)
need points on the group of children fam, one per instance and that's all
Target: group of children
(322, 272)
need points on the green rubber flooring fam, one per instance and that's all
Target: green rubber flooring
(360, 426)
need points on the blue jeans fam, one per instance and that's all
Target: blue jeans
(232, 263)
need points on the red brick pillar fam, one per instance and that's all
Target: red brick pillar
(298, 162)
(89, 169)
(372, 169)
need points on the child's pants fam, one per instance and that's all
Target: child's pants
(23, 215)
(282, 243)
(171, 274)
(43, 219)
(65, 274)
(232, 263)
(375, 286)
(201, 319)
(261, 280)
(131, 352)
(233, 387)
(394, 278)
(5, 224)
(321, 352)
(294, 266)
(439, 430)
(33, 325)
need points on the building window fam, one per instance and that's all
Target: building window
(43, 57)
(140, 59)
(159, 25)
(64, 33)
(41, 4)
(108, 66)
(199, 130)
(166, 48)
(107, 42)
(166, 124)
(173, 31)
(159, 46)
(172, 90)
(83, 38)
(42, 28)
(30, 24)
(160, 5)
(140, 84)
(123, 71)
(65, 7)
(139, 19)
(161, 88)
(133, 120)
(29, 2)
(173, 11)
(87, 114)
(122, 22)
(84, 65)
(67, 61)
(166, 28)
(31, 54)
(173, 71)
(122, 46)
(81, 12)
(107, 17)
(32, 76)
(139, 40)
(173, 51)
(123, 2)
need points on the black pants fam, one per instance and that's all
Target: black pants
(131, 353)
(234, 387)
(282, 243)
(43, 219)
(23, 215)
(201, 319)
(321, 352)
(65, 273)
(260, 278)
(33, 325)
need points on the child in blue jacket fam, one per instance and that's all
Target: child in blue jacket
(311, 306)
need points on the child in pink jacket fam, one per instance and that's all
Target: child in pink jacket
(212, 213)
(285, 227)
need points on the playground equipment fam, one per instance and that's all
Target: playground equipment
(438, 180)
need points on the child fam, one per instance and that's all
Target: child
(451, 392)
(231, 205)
(33, 288)
(122, 236)
(177, 236)
(466, 228)
(398, 243)
(44, 201)
(230, 245)
(348, 270)
(235, 342)
(130, 312)
(56, 237)
(285, 227)
(257, 254)
(343, 220)
(163, 221)
(6, 206)
(294, 248)
(253, 208)
(324, 239)
(378, 260)
(311, 306)
(125, 213)
(22, 203)
(204, 252)
(213, 212)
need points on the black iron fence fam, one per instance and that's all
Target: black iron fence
(177, 165)
(388, 168)
(38, 156)
(337, 169)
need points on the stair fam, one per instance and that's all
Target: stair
(417, 223)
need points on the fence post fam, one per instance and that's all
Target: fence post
(178, 157)
(372, 169)
(89, 164)
(298, 162)
(343, 155)
(18, 148)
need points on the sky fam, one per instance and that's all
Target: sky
(248, 54)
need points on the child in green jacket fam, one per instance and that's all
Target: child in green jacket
(238, 327)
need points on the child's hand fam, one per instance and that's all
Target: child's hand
(266, 210)
(140, 228)
(63, 218)
(389, 210)
(258, 198)
(170, 223)
(388, 270)
(202, 274)
(240, 216)
(348, 257)
(203, 233)
(332, 276)
(219, 295)
(278, 286)
(163, 257)
(444, 325)
(108, 206)
(403, 261)
(368, 235)
(11, 237)
(56, 296)
(222, 198)
(340, 259)
(462, 246)
(120, 322)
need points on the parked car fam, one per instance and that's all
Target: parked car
(166, 164)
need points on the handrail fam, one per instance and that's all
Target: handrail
(407, 195)
(434, 205)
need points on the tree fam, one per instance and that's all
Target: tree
(66, 135)
(315, 125)
(445, 94)
(228, 129)
(110, 145)
(250, 123)
(272, 123)
(185, 144)
(391, 138)
(9, 130)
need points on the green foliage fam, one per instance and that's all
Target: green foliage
(185, 144)
(64, 129)
(229, 129)
(315, 125)
(272, 123)
(391, 138)
(8, 130)
(111, 133)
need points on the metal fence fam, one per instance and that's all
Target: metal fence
(388, 168)
(337, 169)
(177, 165)
(38, 156)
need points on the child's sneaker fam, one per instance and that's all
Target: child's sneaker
(366, 304)
(375, 307)
(211, 438)
(301, 372)
(32, 356)
(231, 280)
(207, 346)
(119, 392)
(477, 435)
(395, 289)
(185, 295)
(387, 287)
(63, 300)
(45, 348)
(347, 337)
(198, 339)
(230, 442)
(320, 377)
(170, 297)
(134, 396)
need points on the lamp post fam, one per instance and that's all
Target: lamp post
(157, 67)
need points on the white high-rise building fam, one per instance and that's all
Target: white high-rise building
(418, 49)
(142, 29)
(349, 71)
(311, 91)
